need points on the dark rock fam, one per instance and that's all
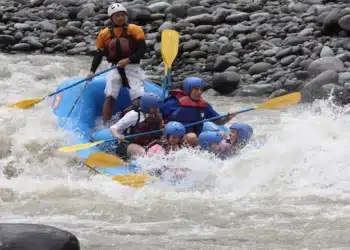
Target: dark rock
(206, 29)
(344, 22)
(33, 42)
(194, 11)
(73, 12)
(302, 75)
(201, 19)
(330, 23)
(313, 89)
(76, 51)
(86, 12)
(178, 10)
(158, 7)
(54, 42)
(198, 54)
(344, 78)
(259, 68)
(7, 40)
(21, 47)
(292, 85)
(288, 60)
(36, 236)
(237, 17)
(325, 63)
(225, 48)
(326, 52)
(255, 90)
(223, 62)
(190, 45)
(277, 93)
(241, 28)
(225, 82)
(69, 31)
(19, 35)
(139, 14)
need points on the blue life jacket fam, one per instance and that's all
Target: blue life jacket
(189, 111)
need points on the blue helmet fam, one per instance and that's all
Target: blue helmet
(206, 138)
(174, 128)
(150, 100)
(244, 132)
(210, 126)
(192, 82)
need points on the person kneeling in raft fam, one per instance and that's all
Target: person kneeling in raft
(172, 140)
(146, 118)
(212, 141)
(237, 139)
(188, 106)
(174, 133)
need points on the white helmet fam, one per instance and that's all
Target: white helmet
(114, 8)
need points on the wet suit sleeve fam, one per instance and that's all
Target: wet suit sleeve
(210, 112)
(98, 55)
(140, 43)
(96, 61)
(169, 107)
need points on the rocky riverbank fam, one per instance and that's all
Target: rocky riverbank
(263, 48)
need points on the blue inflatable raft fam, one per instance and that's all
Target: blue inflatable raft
(88, 109)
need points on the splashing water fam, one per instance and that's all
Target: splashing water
(289, 189)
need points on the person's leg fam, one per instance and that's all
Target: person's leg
(122, 149)
(136, 77)
(134, 150)
(113, 85)
(108, 108)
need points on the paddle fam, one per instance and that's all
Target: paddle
(169, 48)
(75, 103)
(273, 103)
(133, 180)
(108, 160)
(104, 160)
(28, 103)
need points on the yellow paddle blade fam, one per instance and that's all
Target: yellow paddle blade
(169, 46)
(281, 101)
(78, 147)
(103, 159)
(133, 180)
(25, 104)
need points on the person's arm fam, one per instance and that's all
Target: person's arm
(212, 113)
(99, 53)
(96, 61)
(140, 44)
(225, 120)
(169, 107)
(130, 119)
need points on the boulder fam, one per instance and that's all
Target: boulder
(23, 236)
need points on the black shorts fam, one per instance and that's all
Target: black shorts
(121, 150)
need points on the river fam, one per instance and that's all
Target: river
(290, 192)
